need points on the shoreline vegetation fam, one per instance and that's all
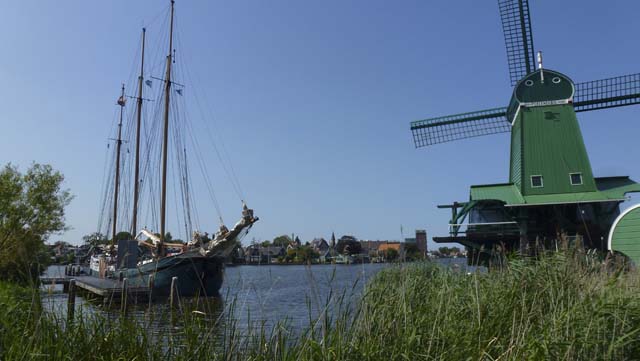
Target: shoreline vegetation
(566, 306)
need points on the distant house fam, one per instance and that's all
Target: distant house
(396, 246)
(391, 245)
(257, 254)
(326, 256)
(319, 245)
(295, 244)
(252, 254)
(371, 247)
(271, 254)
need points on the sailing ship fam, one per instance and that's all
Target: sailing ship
(151, 259)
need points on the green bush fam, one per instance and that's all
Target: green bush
(31, 209)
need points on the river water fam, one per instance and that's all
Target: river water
(265, 294)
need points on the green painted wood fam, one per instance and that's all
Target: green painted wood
(584, 197)
(507, 193)
(556, 86)
(515, 169)
(624, 236)
(552, 147)
(617, 187)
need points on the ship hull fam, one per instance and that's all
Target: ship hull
(196, 275)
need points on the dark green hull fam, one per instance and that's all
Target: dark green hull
(196, 275)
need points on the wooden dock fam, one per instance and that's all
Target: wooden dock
(102, 287)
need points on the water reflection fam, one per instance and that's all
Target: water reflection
(251, 297)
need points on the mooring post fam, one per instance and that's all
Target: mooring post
(123, 296)
(71, 303)
(172, 298)
(172, 295)
(150, 286)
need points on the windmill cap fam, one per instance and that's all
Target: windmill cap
(532, 89)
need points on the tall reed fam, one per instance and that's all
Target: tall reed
(561, 306)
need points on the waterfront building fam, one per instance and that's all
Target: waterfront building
(421, 241)
(319, 245)
(385, 248)
(257, 254)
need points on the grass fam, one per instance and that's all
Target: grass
(563, 306)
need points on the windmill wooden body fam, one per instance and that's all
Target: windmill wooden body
(551, 189)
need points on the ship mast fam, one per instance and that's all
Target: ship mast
(136, 184)
(121, 103)
(165, 144)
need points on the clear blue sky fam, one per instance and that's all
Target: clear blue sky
(314, 99)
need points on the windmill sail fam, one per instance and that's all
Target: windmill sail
(460, 126)
(607, 93)
(518, 38)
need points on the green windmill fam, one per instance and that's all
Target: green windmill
(552, 193)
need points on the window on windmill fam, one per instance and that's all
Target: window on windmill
(536, 181)
(576, 179)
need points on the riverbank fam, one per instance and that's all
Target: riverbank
(564, 306)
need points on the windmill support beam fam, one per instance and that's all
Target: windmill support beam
(523, 229)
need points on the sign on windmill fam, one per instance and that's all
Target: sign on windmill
(551, 189)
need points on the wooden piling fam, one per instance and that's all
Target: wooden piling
(71, 303)
(172, 295)
(172, 299)
(123, 297)
(150, 286)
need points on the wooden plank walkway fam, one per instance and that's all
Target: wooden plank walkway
(103, 287)
(54, 280)
(107, 287)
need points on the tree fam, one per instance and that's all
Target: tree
(31, 209)
(265, 244)
(62, 244)
(391, 254)
(95, 239)
(304, 254)
(291, 255)
(348, 245)
(444, 251)
(282, 241)
(412, 253)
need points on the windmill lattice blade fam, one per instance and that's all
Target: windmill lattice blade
(518, 38)
(607, 93)
(460, 126)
